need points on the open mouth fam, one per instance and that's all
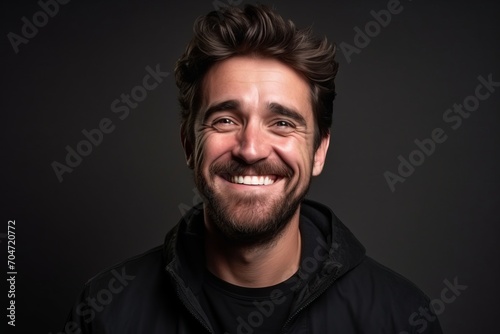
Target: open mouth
(253, 180)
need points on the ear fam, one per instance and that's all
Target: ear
(187, 146)
(320, 155)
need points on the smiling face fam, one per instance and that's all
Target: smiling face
(253, 154)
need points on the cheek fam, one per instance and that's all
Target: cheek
(296, 153)
(199, 151)
(209, 148)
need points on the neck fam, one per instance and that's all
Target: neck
(255, 266)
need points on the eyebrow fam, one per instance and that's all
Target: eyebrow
(287, 112)
(274, 107)
(225, 105)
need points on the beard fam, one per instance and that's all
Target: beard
(250, 219)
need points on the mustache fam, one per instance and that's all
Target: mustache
(234, 167)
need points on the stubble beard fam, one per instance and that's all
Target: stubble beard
(250, 220)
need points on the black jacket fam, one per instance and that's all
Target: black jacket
(340, 291)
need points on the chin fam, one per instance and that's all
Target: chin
(251, 220)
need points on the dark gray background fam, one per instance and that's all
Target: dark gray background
(439, 224)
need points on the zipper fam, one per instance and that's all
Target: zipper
(310, 300)
(186, 303)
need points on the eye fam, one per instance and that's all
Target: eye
(284, 124)
(223, 121)
(224, 124)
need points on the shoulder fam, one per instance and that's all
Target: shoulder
(128, 271)
(376, 297)
(135, 289)
(128, 284)
(372, 283)
(381, 280)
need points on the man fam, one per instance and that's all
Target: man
(256, 96)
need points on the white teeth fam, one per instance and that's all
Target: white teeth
(252, 180)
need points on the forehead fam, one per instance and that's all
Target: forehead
(256, 82)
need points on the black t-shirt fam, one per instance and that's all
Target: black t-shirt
(234, 309)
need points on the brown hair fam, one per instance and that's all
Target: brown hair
(259, 30)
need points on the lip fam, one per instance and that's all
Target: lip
(252, 180)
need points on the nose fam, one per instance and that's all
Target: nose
(252, 144)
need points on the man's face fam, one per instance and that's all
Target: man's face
(253, 154)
